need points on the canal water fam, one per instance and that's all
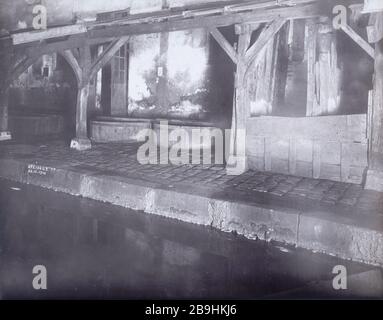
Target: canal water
(95, 250)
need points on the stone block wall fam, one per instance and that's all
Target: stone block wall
(36, 126)
(117, 131)
(329, 147)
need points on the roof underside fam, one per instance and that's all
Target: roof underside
(105, 25)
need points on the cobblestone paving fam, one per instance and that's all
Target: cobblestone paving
(121, 159)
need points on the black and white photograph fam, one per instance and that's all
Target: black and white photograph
(191, 150)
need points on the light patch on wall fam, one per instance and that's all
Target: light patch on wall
(90, 8)
(139, 6)
(261, 107)
(333, 105)
(186, 57)
(186, 108)
(180, 3)
(21, 25)
(174, 82)
(134, 106)
(138, 88)
(144, 52)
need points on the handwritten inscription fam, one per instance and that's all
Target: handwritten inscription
(40, 170)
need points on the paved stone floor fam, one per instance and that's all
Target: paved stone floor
(121, 159)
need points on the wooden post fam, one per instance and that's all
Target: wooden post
(264, 80)
(237, 162)
(245, 57)
(85, 70)
(311, 49)
(327, 70)
(374, 179)
(81, 117)
(323, 73)
(4, 101)
(162, 85)
(82, 69)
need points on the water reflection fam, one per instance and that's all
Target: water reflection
(95, 250)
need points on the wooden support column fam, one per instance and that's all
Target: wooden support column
(323, 79)
(327, 73)
(263, 80)
(374, 180)
(81, 142)
(311, 51)
(245, 57)
(162, 73)
(85, 70)
(4, 101)
(237, 162)
(82, 68)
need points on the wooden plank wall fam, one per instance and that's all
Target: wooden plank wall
(328, 147)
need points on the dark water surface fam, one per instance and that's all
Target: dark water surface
(96, 250)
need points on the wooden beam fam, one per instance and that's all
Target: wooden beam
(163, 21)
(108, 53)
(359, 40)
(20, 68)
(71, 42)
(237, 6)
(257, 16)
(57, 32)
(72, 61)
(97, 35)
(100, 33)
(225, 45)
(264, 38)
(255, 11)
(263, 5)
